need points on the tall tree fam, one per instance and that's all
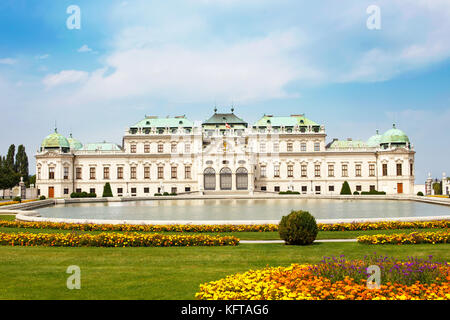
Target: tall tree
(22, 163)
(10, 157)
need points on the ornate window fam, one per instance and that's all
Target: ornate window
(241, 179)
(225, 179)
(209, 179)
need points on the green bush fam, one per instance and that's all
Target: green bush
(83, 195)
(157, 194)
(173, 194)
(289, 192)
(356, 193)
(373, 192)
(107, 192)
(420, 193)
(18, 199)
(298, 228)
(42, 198)
(346, 188)
(165, 194)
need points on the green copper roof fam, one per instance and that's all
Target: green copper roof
(74, 143)
(374, 141)
(291, 121)
(55, 140)
(337, 144)
(153, 122)
(101, 146)
(394, 135)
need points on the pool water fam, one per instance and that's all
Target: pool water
(243, 209)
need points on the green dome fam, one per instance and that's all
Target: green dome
(55, 141)
(394, 136)
(74, 143)
(374, 141)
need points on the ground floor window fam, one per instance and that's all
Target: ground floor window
(304, 189)
(92, 190)
(133, 191)
(119, 191)
(263, 188)
(146, 190)
(372, 188)
(276, 188)
(358, 188)
(78, 190)
(317, 189)
(66, 190)
(331, 188)
(187, 189)
(174, 190)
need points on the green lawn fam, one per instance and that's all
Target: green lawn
(162, 273)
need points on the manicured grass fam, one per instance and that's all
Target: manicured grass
(7, 217)
(162, 273)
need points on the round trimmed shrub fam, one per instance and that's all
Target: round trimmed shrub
(420, 193)
(18, 199)
(298, 228)
(42, 198)
(356, 193)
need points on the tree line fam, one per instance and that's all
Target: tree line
(13, 166)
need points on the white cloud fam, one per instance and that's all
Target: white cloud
(8, 61)
(65, 77)
(250, 70)
(84, 48)
(42, 57)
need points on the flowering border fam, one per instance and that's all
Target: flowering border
(298, 282)
(113, 240)
(407, 238)
(354, 226)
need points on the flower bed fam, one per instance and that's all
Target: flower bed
(113, 240)
(407, 238)
(7, 203)
(335, 279)
(386, 225)
(144, 228)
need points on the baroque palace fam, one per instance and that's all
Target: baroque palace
(225, 154)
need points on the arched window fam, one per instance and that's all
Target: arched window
(209, 179)
(241, 179)
(225, 179)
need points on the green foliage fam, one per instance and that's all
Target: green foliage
(437, 187)
(373, 192)
(42, 198)
(165, 194)
(157, 194)
(346, 188)
(18, 199)
(289, 192)
(298, 228)
(356, 193)
(21, 164)
(107, 192)
(83, 195)
(420, 193)
(10, 170)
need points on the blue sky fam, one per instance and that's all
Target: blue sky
(135, 58)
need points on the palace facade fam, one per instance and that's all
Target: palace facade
(225, 154)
